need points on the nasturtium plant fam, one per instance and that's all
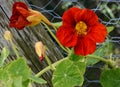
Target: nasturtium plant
(18, 74)
(26, 83)
(67, 74)
(78, 60)
(81, 66)
(37, 80)
(73, 57)
(98, 52)
(110, 78)
(103, 50)
(110, 28)
(4, 75)
(80, 32)
(4, 55)
(17, 81)
(19, 68)
(57, 24)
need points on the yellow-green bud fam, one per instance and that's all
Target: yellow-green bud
(8, 35)
(40, 49)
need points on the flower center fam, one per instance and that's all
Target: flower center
(81, 28)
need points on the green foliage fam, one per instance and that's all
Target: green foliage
(4, 75)
(67, 74)
(57, 24)
(17, 81)
(110, 78)
(19, 68)
(110, 28)
(107, 10)
(81, 66)
(104, 50)
(78, 60)
(98, 52)
(4, 55)
(17, 74)
(72, 56)
(37, 80)
(26, 83)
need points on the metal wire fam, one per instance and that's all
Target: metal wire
(107, 10)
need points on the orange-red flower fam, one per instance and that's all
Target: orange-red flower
(23, 16)
(19, 14)
(81, 29)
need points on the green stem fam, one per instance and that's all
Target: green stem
(49, 63)
(109, 62)
(57, 24)
(48, 67)
(55, 37)
(54, 28)
(14, 48)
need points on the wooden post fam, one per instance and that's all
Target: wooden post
(25, 40)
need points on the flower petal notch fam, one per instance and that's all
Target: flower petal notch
(81, 30)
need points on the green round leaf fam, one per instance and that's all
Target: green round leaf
(4, 75)
(19, 68)
(17, 81)
(81, 66)
(67, 75)
(110, 78)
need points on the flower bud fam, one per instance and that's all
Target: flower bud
(8, 35)
(40, 49)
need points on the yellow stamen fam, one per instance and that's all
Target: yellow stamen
(81, 28)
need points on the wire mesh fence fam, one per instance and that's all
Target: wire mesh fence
(108, 12)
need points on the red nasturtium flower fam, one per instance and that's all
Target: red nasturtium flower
(23, 16)
(81, 29)
(19, 14)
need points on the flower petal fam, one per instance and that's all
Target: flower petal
(13, 20)
(98, 32)
(23, 11)
(19, 14)
(33, 20)
(18, 4)
(85, 46)
(21, 23)
(68, 16)
(66, 36)
(88, 16)
(18, 22)
(34, 16)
